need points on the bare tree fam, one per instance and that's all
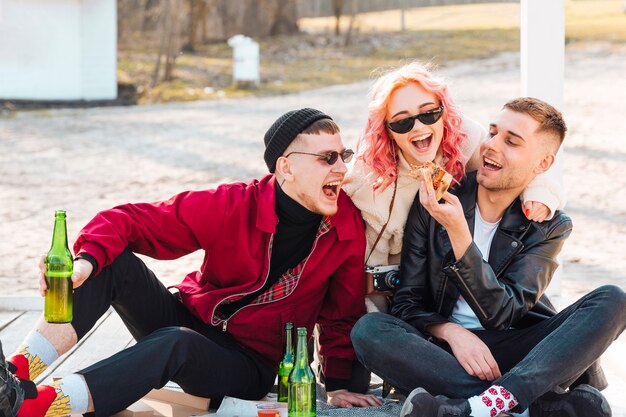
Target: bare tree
(251, 17)
(229, 21)
(150, 15)
(351, 26)
(121, 26)
(174, 40)
(130, 16)
(338, 11)
(285, 18)
(192, 22)
(169, 44)
(257, 18)
(196, 17)
(165, 19)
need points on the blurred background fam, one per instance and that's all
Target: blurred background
(177, 50)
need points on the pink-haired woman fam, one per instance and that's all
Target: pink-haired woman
(413, 119)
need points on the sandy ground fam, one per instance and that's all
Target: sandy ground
(89, 160)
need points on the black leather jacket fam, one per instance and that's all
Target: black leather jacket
(507, 292)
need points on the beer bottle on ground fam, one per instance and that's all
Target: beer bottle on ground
(59, 267)
(302, 382)
(285, 366)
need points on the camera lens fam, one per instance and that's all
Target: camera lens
(392, 279)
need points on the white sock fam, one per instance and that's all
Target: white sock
(495, 400)
(39, 352)
(74, 390)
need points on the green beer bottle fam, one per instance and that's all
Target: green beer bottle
(302, 382)
(285, 366)
(59, 267)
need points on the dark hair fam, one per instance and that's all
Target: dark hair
(317, 127)
(322, 126)
(550, 119)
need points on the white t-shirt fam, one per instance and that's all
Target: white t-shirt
(483, 235)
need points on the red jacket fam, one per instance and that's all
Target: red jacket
(234, 224)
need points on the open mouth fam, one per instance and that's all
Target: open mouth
(331, 189)
(423, 141)
(491, 165)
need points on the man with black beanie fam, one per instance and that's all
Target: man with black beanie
(286, 248)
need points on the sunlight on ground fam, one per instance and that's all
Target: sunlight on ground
(459, 17)
(584, 20)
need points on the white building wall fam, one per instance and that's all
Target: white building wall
(98, 49)
(57, 49)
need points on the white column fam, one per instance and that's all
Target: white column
(542, 72)
(543, 50)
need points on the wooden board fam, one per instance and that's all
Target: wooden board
(21, 303)
(7, 317)
(13, 334)
(108, 336)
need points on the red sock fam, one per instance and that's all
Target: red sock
(21, 363)
(38, 406)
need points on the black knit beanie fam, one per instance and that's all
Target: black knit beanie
(284, 130)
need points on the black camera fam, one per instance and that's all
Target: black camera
(386, 277)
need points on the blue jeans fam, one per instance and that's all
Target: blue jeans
(533, 360)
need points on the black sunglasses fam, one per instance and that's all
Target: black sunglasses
(329, 157)
(427, 118)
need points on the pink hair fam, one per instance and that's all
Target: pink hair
(378, 150)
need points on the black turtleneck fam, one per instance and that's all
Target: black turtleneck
(295, 234)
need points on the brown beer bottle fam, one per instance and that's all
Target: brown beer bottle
(59, 267)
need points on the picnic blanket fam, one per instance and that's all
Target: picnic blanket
(242, 408)
(390, 407)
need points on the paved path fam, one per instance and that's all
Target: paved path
(88, 160)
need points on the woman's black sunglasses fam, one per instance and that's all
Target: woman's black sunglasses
(329, 157)
(427, 118)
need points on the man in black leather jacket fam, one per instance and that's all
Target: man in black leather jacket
(470, 320)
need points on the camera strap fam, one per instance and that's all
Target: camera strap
(393, 198)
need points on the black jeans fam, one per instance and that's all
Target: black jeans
(172, 344)
(532, 360)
